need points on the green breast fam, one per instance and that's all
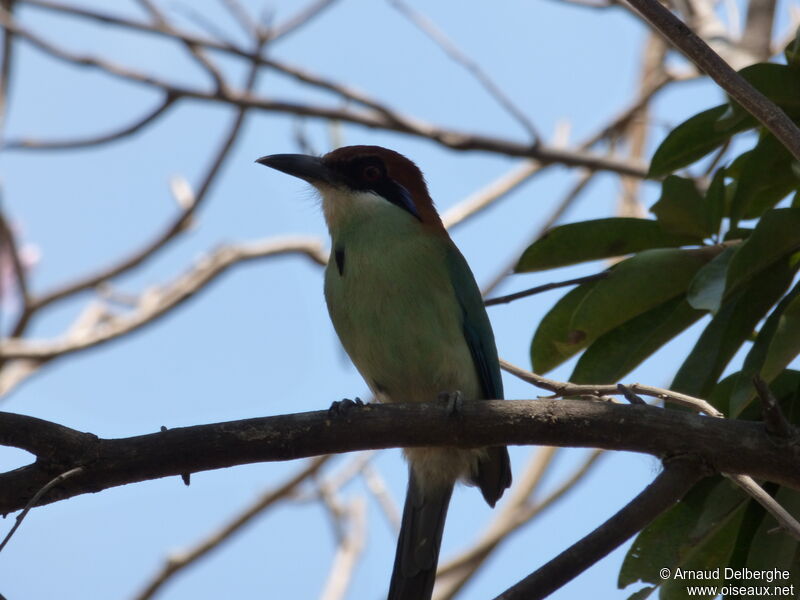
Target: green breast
(393, 306)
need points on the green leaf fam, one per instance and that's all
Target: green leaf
(596, 239)
(776, 345)
(554, 341)
(681, 209)
(785, 387)
(636, 285)
(715, 200)
(707, 288)
(694, 138)
(776, 235)
(779, 83)
(777, 550)
(616, 353)
(766, 177)
(643, 593)
(728, 330)
(792, 51)
(686, 535)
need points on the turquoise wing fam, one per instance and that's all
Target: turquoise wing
(477, 328)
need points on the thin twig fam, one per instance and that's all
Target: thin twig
(69, 144)
(775, 420)
(302, 18)
(161, 21)
(564, 389)
(566, 202)
(377, 487)
(177, 226)
(348, 552)
(239, 13)
(787, 522)
(519, 511)
(5, 68)
(448, 46)
(678, 477)
(157, 302)
(36, 497)
(8, 239)
(179, 561)
(629, 395)
(449, 138)
(544, 288)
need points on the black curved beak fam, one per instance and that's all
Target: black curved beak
(309, 168)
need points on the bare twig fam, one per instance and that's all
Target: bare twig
(158, 302)
(69, 144)
(757, 36)
(567, 201)
(348, 552)
(377, 487)
(446, 44)
(519, 510)
(753, 101)
(178, 562)
(564, 389)
(177, 226)
(8, 239)
(544, 288)
(678, 477)
(449, 138)
(775, 420)
(5, 68)
(239, 13)
(629, 395)
(35, 499)
(301, 18)
(787, 522)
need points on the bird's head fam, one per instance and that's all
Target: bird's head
(362, 182)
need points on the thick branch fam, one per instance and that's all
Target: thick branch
(677, 478)
(727, 446)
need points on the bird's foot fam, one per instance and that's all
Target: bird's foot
(342, 407)
(454, 402)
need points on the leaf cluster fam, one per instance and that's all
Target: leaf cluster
(724, 247)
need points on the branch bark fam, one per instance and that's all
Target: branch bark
(727, 446)
(677, 478)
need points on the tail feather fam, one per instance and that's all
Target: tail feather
(417, 553)
(493, 474)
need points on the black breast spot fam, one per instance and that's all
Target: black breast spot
(338, 255)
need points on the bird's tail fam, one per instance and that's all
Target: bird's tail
(417, 552)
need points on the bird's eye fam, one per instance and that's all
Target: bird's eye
(371, 173)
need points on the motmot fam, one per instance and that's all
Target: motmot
(409, 313)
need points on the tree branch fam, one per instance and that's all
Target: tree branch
(157, 302)
(727, 446)
(753, 101)
(70, 144)
(677, 478)
(449, 138)
(178, 562)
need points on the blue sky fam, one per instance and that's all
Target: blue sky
(258, 341)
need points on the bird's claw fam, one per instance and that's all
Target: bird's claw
(454, 402)
(343, 406)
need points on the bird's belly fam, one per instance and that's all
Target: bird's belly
(404, 334)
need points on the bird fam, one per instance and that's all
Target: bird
(408, 312)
